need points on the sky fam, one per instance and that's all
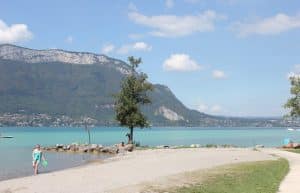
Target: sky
(222, 57)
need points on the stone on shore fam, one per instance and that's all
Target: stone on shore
(84, 148)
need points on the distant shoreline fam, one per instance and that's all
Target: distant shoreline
(153, 127)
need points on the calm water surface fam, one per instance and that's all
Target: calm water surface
(16, 153)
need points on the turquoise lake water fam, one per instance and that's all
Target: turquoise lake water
(16, 153)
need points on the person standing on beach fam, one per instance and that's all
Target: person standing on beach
(37, 156)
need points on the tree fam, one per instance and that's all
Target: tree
(294, 103)
(133, 94)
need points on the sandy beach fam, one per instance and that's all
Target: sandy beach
(130, 170)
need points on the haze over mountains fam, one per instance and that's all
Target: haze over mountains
(58, 83)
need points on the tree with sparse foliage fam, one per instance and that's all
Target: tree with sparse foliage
(294, 103)
(133, 94)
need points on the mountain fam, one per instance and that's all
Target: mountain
(48, 86)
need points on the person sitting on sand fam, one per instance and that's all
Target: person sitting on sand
(37, 156)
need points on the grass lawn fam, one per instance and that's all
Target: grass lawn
(293, 150)
(253, 177)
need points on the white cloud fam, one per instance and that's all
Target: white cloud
(137, 46)
(176, 26)
(267, 26)
(108, 48)
(69, 40)
(216, 109)
(126, 48)
(180, 62)
(169, 4)
(210, 109)
(218, 74)
(14, 33)
(295, 72)
(202, 107)
(142, 46)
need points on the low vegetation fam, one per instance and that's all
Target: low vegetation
(293, 150)
(254, 177)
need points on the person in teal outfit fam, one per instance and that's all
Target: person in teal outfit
(37, 156)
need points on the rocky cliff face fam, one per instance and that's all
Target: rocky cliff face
(11, 52)
(16, 53)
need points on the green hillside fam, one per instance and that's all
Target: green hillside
(47, 82)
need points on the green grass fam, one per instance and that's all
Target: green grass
(253, 177)
(293, 150)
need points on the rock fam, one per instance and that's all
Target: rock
(129, 147)
(195, 145)
(105, 150)
(65, 148)
(109, 150)
(113, 150)
(83, 149)
(97, 150)
(94, 146)
(259, 146)
(53, 148)
(58, 146)
(74, 148)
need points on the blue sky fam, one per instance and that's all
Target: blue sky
(225, 57)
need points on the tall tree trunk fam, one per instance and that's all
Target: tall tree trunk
(131, 136)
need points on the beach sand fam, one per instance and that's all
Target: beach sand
(127, 172)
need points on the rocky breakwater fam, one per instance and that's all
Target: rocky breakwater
(88, 148)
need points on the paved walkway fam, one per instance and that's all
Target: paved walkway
(291, 183)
